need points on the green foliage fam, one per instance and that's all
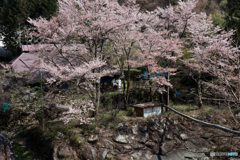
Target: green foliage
(39, 141)
(218, 19)
(14, 15)
(21, 152)
(186, 54)
(233, 17)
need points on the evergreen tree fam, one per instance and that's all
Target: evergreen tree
(233, 17)
(14, 15)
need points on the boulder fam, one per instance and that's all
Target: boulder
(93, 138)
(123, 157)
(64, 151)
(135, 129)
(136, 155)
(88, 152)
(143, 128)
(156, 149)
(167, 147)
(150, 143)
(169, 136)
(121, 139)
(107, 144)
(155, 137)
(127, 147)
(120, 125)
(184, 136)
(137, 146)
(102, 154)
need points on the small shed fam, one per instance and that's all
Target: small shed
(148, 109)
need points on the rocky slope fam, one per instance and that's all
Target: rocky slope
(172, 138)
(153, 139)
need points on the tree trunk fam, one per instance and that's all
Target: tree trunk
(98, 96)
(150, 91)
(199, 91)
(238, 82)
(168, 98)
(124, 95)
(128, 87)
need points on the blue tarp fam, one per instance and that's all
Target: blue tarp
(146, 75)
(4, 106)
(177, 94)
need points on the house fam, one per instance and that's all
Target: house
(110, 82)
(29, 61)
(26, 62)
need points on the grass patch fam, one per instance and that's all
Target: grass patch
(192, 109)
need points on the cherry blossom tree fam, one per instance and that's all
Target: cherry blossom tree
(155, 44)
(211, 48)
(77, 37)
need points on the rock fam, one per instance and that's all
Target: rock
(182, 154)
(120, 125)
(127, 147)
(137, 146)
(153, 128)
(191, 155)
(2, 157)
(109, 156)
(194, 116)
(123, 157)
(150, 143)
(103, 154)
(157, 120)
(175, 122)
(169, 136)
(224, 121)
(156, 149)
(64, 152)
(143, 139)
(89, 152)
(238, 115)
(93, 138)
(106, 135)
(155, 137)
(167, 147)
(206, 135)
(161, 132)
(147, 155)
(121, 139)
(107, 144)
(178, 141)
(135, 129)
(143, 128)
(136, 155)
(184, 136)
(190, 146)
(195, 127)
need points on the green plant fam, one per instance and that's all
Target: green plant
(21, 153)
(39, 141)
